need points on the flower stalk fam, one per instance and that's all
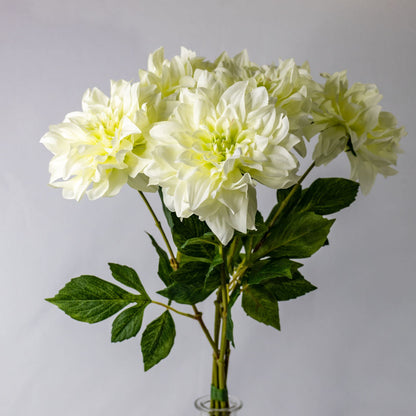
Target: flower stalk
(173, 261)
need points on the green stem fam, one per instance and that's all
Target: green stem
(291, 193)
(217, 328)
(198, 317)
(231, 253)
(222, 378)
(173, 260)
(188, 315)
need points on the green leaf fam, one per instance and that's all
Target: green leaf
(283, 288)
(157, 340)
(128, 277)
(90, 299)
(203, 246)
(328, 195)
(188, 228)
(207, 238)
(192, 271)
(165, 268)
(261, 305)
(270, 268)
(298, 236)
(185, 293)
(189, 284)
(213, 275)
(128, 323)
(183, 259)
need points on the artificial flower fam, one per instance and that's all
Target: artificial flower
(351, 120)
(168, 76)
(291, 86)
(98, 149)
(213, 148)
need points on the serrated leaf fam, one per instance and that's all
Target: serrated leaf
(203, 246)
(188, 285)
(128, 323)
(183, 259)
(91, 299)
(164, 268)
(283, 288)
(298, 236)
(192, 271)
(157, 340)
(207, 238)
(186, 293)
(188, 228)
(213, 275)
(270, 268)
(127, 276)
(261, 305)
(328, 195)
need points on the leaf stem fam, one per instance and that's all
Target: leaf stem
(188, 315)
(173, 261)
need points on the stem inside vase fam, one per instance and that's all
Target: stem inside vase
(203, 404)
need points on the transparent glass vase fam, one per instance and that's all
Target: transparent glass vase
(203, 405)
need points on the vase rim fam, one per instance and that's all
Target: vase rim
(204, 403)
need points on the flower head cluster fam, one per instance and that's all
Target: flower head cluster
(351, 120)
(207, 132)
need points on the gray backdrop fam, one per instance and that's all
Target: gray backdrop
(346, 349)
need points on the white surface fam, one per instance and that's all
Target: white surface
(346, 349)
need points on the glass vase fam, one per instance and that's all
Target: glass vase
(203, 405)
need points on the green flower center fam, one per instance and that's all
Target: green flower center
(223, 147)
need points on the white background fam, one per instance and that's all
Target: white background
(346, 349)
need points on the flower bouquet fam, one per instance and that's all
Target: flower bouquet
(204, 135)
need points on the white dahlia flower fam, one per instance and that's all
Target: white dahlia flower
(291, 86)
(214, 146)
(168, 76)
(350, 120)
(98, 150)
